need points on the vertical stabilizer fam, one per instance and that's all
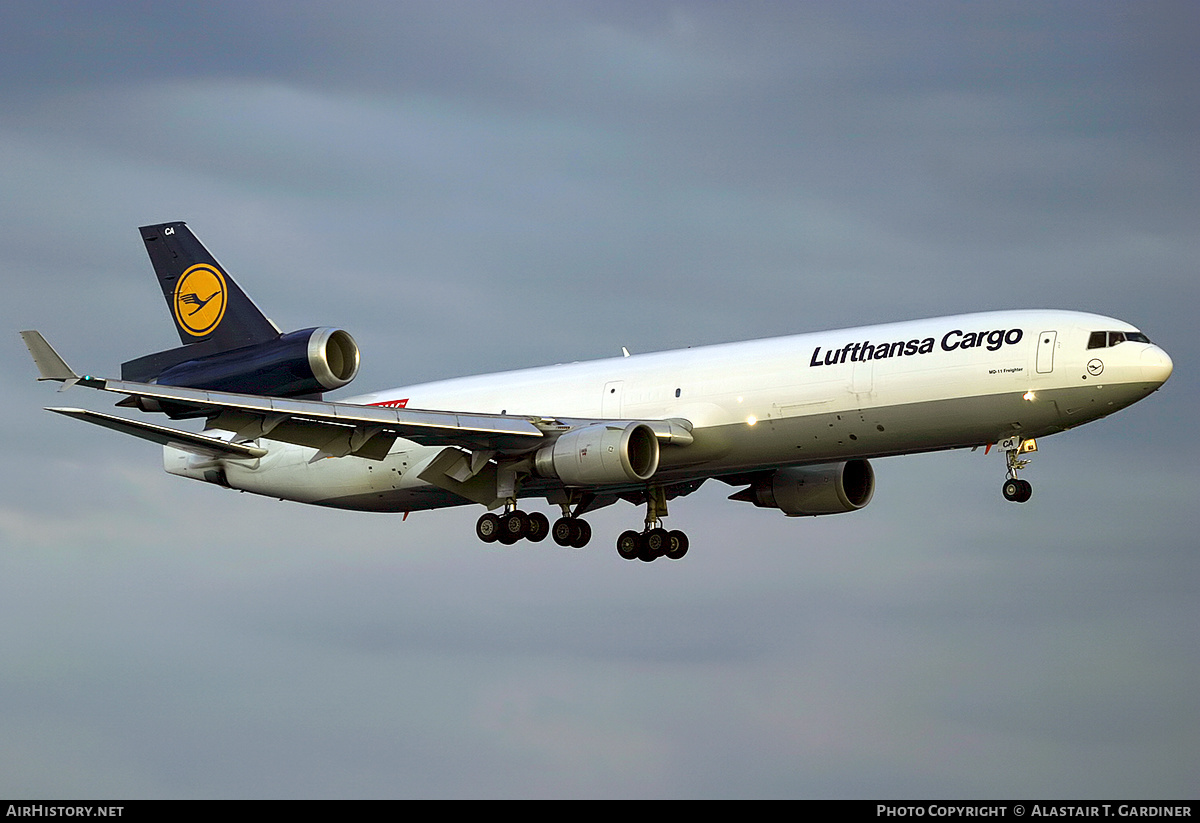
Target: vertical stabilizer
(205, 303)
(211, 312)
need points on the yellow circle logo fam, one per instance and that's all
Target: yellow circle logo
(200, 298)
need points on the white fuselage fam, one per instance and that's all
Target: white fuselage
(812, 398)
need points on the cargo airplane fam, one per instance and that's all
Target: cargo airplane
(792, 421)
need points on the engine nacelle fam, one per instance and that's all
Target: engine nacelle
(309, 361)
(603, 454)
(813, 490)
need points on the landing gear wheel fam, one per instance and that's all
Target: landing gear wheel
(1026, 491)
(1012, 489)
(487, 528)
(564, 531)
(677, 545)
(657, 542)
(583, 533)
(1016, 490)
(513, 526)
(538, 527)
(628, 544)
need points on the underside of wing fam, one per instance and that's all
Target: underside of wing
(165, 436)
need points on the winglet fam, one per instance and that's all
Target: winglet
(51, 366)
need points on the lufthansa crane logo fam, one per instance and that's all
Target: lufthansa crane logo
(200, 298)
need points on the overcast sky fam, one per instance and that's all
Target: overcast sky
(469, 187)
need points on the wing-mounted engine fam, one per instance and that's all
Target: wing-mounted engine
(811, 490)
(299, 363)
(602, 454)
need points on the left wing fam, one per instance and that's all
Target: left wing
(334, 429)
(165, 436)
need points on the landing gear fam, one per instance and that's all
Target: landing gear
(654, 541)
(571, 531)
(1016, 489)
(516, 525)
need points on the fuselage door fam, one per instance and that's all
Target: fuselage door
(610, 403)
(1045, 351)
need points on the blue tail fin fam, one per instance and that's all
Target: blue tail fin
(211, 312)
(206, 304)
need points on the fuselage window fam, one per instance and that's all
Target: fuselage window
(1098, 340)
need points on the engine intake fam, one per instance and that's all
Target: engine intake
(812, 490)
(303, 362)
(603, 454)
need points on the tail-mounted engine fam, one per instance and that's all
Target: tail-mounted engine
(603, 454)
(299, 363)
(813, 490)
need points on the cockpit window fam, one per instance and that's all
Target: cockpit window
(1106, 339)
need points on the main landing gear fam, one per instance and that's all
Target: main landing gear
(649, 544)
(653, 541)
(652, 544)
(516, 525)
(1016, 489)
(512, 526)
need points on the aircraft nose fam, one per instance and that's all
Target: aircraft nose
(1156, 365)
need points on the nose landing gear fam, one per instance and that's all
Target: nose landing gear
(1016, 489)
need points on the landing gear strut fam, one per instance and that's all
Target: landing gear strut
(1016, 489)
(653, 541)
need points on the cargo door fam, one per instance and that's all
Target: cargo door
(1045, 351)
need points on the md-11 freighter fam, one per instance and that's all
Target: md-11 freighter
(792, 421)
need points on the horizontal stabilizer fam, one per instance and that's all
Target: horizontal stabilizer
(164, 436)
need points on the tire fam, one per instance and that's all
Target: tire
(563, 531)
(1026, 492)
(538, 527)
(677, 544)
(512, 528)
(1012, 490)
(583, 534)
(658, 541)
(487, 528)
(628, 545)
